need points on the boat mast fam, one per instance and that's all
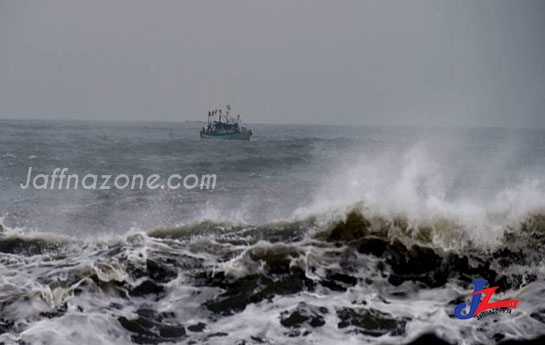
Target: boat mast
(228, 107)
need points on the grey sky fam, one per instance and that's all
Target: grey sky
(350, 62)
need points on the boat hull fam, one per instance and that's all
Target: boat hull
(226, 136)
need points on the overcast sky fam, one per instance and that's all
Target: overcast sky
(470, 63)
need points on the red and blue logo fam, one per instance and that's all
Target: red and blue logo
(479, 305)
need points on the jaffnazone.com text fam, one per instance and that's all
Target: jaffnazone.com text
(59, 179)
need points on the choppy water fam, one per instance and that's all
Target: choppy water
(314, 235)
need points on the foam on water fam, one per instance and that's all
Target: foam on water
(315, 236)
(123, 289)
(411, 184)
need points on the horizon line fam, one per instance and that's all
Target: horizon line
(446, 126)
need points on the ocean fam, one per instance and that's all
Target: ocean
(312, 235)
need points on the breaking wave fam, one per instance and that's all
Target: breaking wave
(356, 277)
(373, 237)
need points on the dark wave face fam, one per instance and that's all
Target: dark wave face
(321, 235)
(360, 279)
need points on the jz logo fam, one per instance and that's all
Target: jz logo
(478, 305)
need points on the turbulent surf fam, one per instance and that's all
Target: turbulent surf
(330, 239)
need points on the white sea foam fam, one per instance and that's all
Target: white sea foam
(413, 185)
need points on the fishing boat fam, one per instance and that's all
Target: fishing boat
(225, 127)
